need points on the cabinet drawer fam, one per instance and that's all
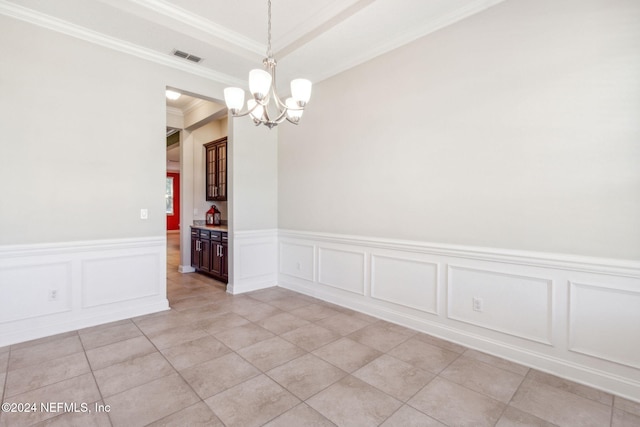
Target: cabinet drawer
(225, 237)
(204, 234)
(195, 232)
(216, 236)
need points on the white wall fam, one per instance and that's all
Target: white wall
(253, 206)
(494, 159)
(83, 150)
(515, 128)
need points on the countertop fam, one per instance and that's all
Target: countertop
(211, 227)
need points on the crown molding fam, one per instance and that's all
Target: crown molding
(408, 37)
(36, 18)
(175, 111)
(211, 28)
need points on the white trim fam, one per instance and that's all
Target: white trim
(618, 267)
(36, 18)
(544, 343)
(208, 27)
(96, 281)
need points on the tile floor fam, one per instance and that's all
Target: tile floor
(277, 358)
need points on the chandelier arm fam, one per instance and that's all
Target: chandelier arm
(248, 111)
(279, 108)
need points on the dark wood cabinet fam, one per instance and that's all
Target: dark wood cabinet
(216, 169)
(209, 252)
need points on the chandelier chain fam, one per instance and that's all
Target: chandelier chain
(269, 53)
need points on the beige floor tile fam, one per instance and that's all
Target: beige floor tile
(219, 374)
(410, 417)
(190, 302)
(352, 402)
(270, 294)
(314, 312)
(380, 336)
(570, 386)
(455, 405)
(252, 403)
(347, 354)
(205, 312)
(301, 415)
(487, 379)
(497, 362)
(282, 323)
(195, 415)
(43, 340)
(291, 303)
(122, 351)
(260, 312)
(175, 336)
(39, 353)
(311, 336)
(424, 356)
(306, 375)
(4, 361)
(560, 407)
(105, 336)
(243, 336)
(395, 377)
(155, 323)
(194, 352)
(244, 305)
(132, 373)
(271, 353)
(430, 339)
(627, 405)
(46, 373)
(104, 326)
(3, 376)
(513, 417)
(92, 418)
(624, 419)
(150, 402)
(222, 323)
(74, 390)
(343, 324)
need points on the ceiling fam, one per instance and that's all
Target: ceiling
(314, 39)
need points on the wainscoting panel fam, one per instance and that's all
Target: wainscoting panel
(515, 305)
(341, 269)
(47, 289)
(108, 280)
(406, 282)
(254, 256)
(34, 290)
(572, 316)
(605, 323)
(297, 260)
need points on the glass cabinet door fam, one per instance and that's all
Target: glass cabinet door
(216, 169)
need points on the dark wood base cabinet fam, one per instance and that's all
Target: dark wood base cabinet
(209, 253)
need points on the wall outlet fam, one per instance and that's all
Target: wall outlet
(298, 266)
(144, 214)
(477, 304)
(53, 295)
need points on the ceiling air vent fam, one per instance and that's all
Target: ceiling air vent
(187, 56)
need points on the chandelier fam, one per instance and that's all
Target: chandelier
(266, 107)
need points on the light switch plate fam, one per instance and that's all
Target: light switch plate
(144, 214)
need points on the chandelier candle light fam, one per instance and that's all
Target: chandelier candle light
(266, 107)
